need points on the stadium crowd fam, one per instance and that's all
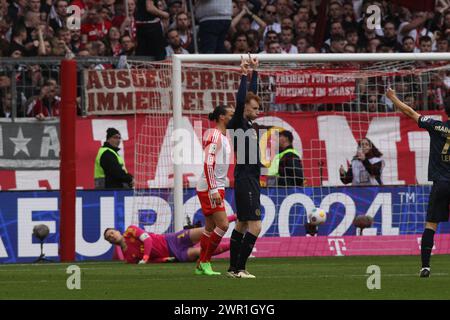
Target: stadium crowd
(157, 29)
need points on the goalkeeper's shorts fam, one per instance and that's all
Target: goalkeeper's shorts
(178, 244)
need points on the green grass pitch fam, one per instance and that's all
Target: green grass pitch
(281, 278)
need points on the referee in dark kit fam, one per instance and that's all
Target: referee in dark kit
(247, 171)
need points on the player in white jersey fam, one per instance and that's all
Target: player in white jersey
(211, 188)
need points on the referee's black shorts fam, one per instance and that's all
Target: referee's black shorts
(247, 193)
(439, 202)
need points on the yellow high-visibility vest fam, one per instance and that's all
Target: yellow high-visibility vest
(274, 166)
(99, 173)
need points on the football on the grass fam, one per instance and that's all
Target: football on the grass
(363, 221)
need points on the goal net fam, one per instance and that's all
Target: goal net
(332, 109)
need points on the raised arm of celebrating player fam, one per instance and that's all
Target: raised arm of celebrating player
(403, 107)
(242, 92)
(254, 82)
(246, 64)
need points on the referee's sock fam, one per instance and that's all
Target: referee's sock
(246, 249)
(235, 247)
(427, 246)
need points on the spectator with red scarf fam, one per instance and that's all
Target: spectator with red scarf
(46, 104)
(126, 24)
(95, 28)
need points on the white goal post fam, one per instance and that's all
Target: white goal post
(179, 60)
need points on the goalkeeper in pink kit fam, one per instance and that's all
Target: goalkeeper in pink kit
(139, 246)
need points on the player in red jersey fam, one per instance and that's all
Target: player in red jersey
(211, 188)
(139, 246)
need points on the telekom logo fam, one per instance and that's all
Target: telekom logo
(337, 245)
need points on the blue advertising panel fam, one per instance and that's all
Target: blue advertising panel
(397, 210)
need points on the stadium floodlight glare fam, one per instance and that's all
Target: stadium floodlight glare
(41, 232)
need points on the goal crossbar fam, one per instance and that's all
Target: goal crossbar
(316, 57)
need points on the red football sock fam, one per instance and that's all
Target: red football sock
(214, 241)
(204, 241)
(223, 247)
(232, 218)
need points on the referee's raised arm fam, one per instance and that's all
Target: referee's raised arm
(240, 96)
(254, 83)
(247, 171)
(403, 107)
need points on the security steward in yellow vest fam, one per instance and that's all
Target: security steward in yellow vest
(286, 166)
(110, 171)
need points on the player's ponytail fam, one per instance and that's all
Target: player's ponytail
(211, 116)
(218, 111)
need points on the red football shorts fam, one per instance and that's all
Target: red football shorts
(208, 206)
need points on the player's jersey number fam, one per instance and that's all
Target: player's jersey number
(446, 145)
